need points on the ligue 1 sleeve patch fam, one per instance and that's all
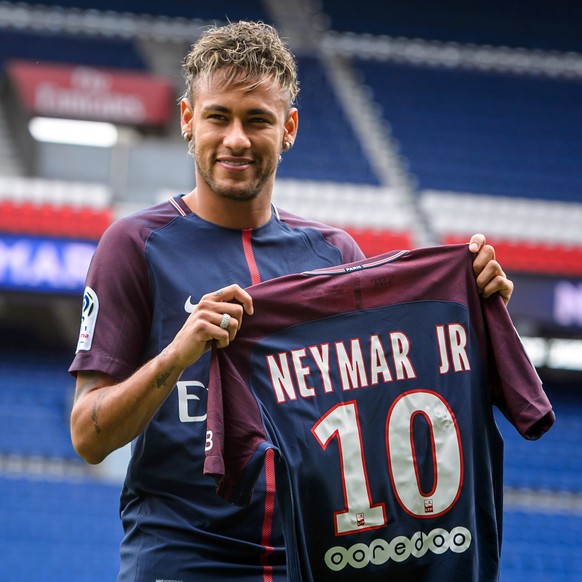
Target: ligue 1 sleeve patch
(88, 319)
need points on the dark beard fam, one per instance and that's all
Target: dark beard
(237, 194)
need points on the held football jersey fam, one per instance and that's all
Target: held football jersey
(148, 272)
(373, 386)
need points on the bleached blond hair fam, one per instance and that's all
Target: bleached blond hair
(248, 53)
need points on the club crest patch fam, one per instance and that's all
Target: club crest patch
(88, 319)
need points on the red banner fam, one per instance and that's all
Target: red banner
(80, 92)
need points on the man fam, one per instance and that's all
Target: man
(166, 283)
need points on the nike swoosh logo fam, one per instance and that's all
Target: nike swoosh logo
(189, 306)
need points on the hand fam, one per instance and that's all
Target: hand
(490, 276)
(203, 325)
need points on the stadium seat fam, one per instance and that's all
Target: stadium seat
(553, 463)
(495, 23)
(321, 118)
(228, 9)
(35, 398)
(468, 131)
(541, 547)
(70, 49)
(59, 529)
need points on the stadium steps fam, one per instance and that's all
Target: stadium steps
(10, 162)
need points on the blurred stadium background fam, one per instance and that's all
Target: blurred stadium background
(421, 123)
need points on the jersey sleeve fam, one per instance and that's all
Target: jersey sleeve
(517, 388)
(348, 249)
(347, 246)
(236, 441)
(117, 282)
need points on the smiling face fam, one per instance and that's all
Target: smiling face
(237, 136)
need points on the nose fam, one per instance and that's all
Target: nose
(236, 138)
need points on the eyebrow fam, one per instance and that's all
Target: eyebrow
(222, 109)
(216, 108)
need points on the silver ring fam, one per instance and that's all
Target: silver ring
(225, 321)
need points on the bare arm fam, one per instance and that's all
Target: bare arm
(107, 414)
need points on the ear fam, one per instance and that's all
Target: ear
(291, 126)
(186, 114)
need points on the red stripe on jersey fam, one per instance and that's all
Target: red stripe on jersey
(247, 235)
(177, 207)
(269, 511)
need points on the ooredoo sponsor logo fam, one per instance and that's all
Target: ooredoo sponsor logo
(400, 548)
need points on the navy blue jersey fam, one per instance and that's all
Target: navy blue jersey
(148, 271)
(374, 385)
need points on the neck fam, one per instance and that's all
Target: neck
(228, 213)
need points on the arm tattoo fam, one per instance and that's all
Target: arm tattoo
(96, 408)
(88, 382)
(161, 380)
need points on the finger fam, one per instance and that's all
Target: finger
(489, 271)
(232, 300)
(477, 242)
(225, 321)
(234, 293)
(501, 285)
(245, 300)
(214, 332)
(228, 326)
(229, 322)
(485, 259)
(492, 279)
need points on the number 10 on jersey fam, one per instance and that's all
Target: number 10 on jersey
(361, 512)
